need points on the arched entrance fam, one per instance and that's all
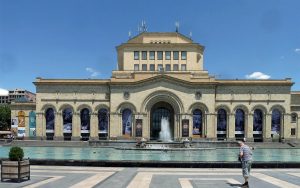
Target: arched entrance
(159, 110)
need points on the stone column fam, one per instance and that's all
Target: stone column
(40, 126)
(231, 127)
(94, 127)
(115, 126)
(249, 128)
(146, 129)
(286, 127)
(267, 128)
(211, 126)
(58, 127)
(190, 117)
(298, 128)
(76, 127)
(26, 119)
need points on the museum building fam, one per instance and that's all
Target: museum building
(160, 76)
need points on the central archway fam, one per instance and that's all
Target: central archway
(159, 110)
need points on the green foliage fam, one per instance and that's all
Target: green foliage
(16, 153)
(5, 120)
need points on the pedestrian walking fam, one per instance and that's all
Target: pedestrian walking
(245, 157)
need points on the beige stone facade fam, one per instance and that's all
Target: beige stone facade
(161, 74)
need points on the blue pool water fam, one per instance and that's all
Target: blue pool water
(89, 153)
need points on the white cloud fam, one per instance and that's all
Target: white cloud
(3, 92)
(258, 75)
(94, 73)
(297, 50)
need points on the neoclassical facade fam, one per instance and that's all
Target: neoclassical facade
(161, 75)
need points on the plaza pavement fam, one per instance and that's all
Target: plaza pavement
(114, 177)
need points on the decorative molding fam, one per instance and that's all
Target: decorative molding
(198, 95)
(126, 95)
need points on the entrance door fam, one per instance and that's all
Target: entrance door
(161, 110)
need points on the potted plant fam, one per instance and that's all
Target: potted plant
(15, 168)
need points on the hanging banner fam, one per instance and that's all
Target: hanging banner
(85, 120)
(139, 128)
(239, 121)
(103, 121)
(185, 128)
(126, 122)
(50, 120)
(14, 126)
(21, 124)
(32, 124)
(197, 122)
(67, 120)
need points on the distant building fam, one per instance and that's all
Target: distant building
(16, 94)
(3, 99)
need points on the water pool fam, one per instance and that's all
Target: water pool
(112, 154)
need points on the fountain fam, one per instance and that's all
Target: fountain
(165, 133)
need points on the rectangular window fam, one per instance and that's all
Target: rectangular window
(183, 67)
(175, 67)
(160, 67)
(136, 55)
(159, 55)
(293, 131)
(168, 67)
(152, 55)
(175, 55)
(152, 67)
(183, 55)
(136, 67)
(294, 118)
(144, 55)
(168, 55)
(144, 67)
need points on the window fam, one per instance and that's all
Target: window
(136, 55)
(183, 67)
(144, 55)
(152, 55)
(175, 55)
(136, 67)
(159, 55)
(168, 67)
(168, 55)
(152, 67)
(183, 55)
(293, 131)
(294, 118)
(144, 67)
(175, 67)
(160, 67)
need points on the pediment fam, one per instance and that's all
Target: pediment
(160, 37)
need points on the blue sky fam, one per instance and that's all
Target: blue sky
(77, 38)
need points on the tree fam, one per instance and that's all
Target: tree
(5, 120)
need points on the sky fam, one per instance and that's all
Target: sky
(243, 39)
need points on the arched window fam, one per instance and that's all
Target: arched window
(276, 121)
(239, 121)
(197, 122)
(126, 122)
(103, 122)
(85, 120)
(222, 121)
(257, 121)
(50, 120)
(67, 120)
